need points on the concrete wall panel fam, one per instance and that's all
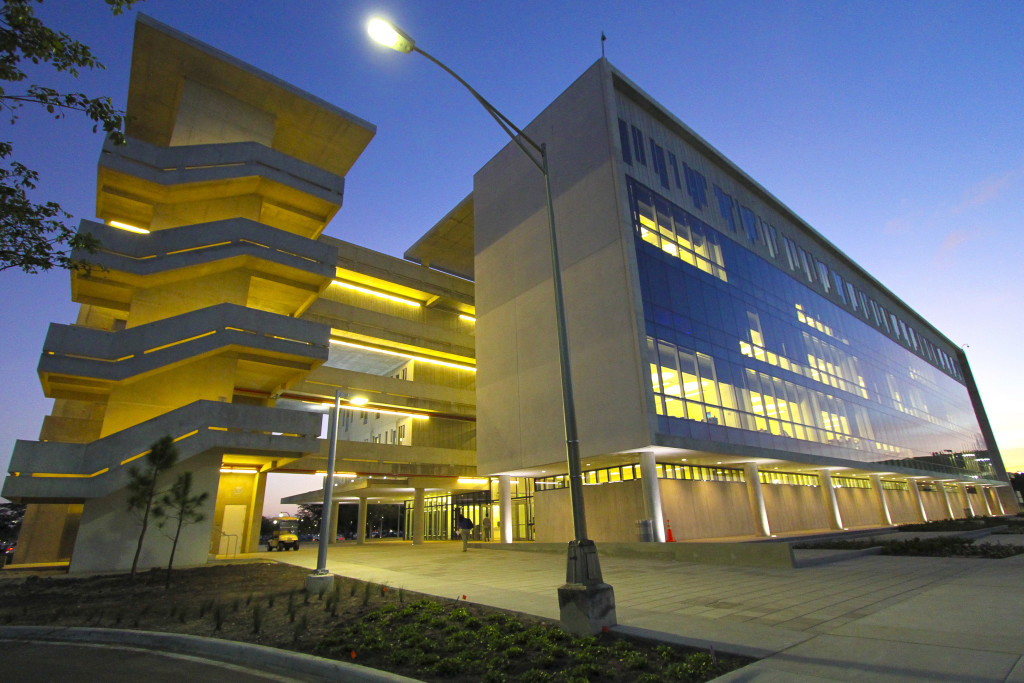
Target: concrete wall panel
(903, 507)
(612, 513)
(108, 533)
(516, 345)
(858, 507)
(706, 509)
(794, 508)
(935, 505)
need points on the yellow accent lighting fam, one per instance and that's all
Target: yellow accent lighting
(467, 318)
(379, 295)
(238, 470)
(71, 476)
(129, 228)
(359, 401)
(404, 355)
(134, 457)
(384, 411)
(479, 481)
(180, 341)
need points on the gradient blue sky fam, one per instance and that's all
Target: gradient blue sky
(894, 128)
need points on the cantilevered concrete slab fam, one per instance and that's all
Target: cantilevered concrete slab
(166, 62)
(448, 246)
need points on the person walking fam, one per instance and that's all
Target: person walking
(465, 526)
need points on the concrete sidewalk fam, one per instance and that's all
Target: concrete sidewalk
(866, 618)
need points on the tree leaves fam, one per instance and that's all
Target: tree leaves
(34, 235)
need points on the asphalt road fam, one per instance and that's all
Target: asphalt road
(37, 662)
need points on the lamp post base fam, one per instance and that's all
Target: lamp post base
(319, 583)
(586, 604)
(586, 609)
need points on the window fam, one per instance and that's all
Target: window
(676, 232)
(638, 146)
(791, 255)
(697, 186)
(823, 271)
(771, 239)
(658, 159)
(749, 223)
(624, 142)
(725, 207)
(675, 168)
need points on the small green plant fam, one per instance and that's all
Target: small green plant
(218, 616)
(257, 618)
(300, 628)
(270, 600)
(248, 600)
(634, 660)
(367, 588)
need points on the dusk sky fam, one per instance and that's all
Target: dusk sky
(894, 128)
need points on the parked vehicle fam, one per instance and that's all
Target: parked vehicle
(286, 534)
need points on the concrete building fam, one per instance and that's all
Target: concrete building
(218, 314)
(735, 373)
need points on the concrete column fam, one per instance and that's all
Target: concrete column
(984, 499)
(966, 497)
(758, 512)
(251, 543)
(915, 486)
(335, 515)
(828, 493)
(883, 505)
(999, 501)
(417, 517)
(361, 522)
(505, 507)
(652, 495)
(945, 498)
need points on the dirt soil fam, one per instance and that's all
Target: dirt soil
(264, 602)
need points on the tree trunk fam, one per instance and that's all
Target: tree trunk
(174, 547)
(142, 534)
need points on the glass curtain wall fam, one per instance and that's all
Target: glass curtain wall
(740, 346)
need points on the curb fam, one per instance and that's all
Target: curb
(835, 556)
(255, 657)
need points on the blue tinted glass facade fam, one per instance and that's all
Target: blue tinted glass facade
(741, 352)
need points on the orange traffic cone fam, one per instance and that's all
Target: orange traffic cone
(669, 538)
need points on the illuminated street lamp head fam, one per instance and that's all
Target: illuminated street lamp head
(389, 35)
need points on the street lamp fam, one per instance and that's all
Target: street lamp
(586, 603)
(322, 580)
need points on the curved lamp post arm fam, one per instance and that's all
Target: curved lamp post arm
(510, 128)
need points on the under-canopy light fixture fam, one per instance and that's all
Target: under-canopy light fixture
(400, 354)
(467, 318)
(374, 292)
(129, 228)
(389, 35)
(359, 401)
(362, 407)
